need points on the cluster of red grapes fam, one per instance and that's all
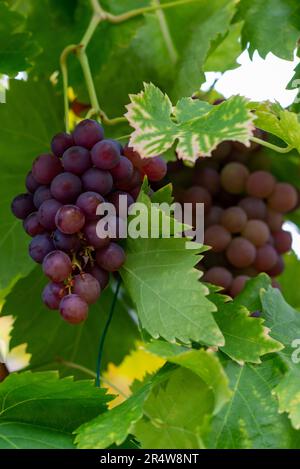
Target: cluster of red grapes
(243, 215)
(59, 212)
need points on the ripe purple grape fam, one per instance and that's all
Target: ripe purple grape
(57, 266)
(88, 203)
(111, 258)
(41, 194)
(30, 183)
(53, 294)
(32, 225)
(241, 252)
(76, 160)
(123, 171)
(40, 246)
(87, 287)
(274, 220)
(282, 241)
(22, 206)
(67, 243)
(91, 236)
(266, 258)
(73, 309)
(105, 155)
(155, 168)
(87, 133)
(60, 143)
(260, 184)
(101, 275)
(45, 168)
(66, 187)
(97, 180)
(234, 219)
(134, 181)
(47, 213)
(70, 219)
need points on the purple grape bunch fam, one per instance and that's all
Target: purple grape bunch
(64, 189)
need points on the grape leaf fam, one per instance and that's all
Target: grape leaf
(224, 54)
(246, 338)
(285, 324)
(176, 414)
(17, 49)
(115, 425)
(204, 364)
(199, 126)
(33, 409)
(287, 278)
(49, 337)
(29, 119)
(251, 418)
(250, 295)
(169, 305)
(262, 19)
(284, 124)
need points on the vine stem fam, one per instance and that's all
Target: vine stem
(104, 333)
(271, 146)
(64, 70)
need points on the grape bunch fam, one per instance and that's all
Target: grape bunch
(64, 189)
(244, 208)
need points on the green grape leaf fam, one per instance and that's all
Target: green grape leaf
(176, 414)
(224, 54)
(250, 295)
(284, 124)
(33, 408)
(49, 338)
(246, 338)
(251, 419)
(17, 49)
(285, 324)
(198, 126)
(287, 278)
(261, 19)
(203, 363)
(29, 119)
(160, 277)
(114, 426)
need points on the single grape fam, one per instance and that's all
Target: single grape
(101, 275)
(97, 180)
(260, 184)
(234, 219)
(123, 171)
(87, 287)
(32, 225)
(197, 194)
(61, 142)
(122, 201)
(214, 216)
(134, 181)
(91, 236)
(105, 155)
(45, 168)
(67, 243)
(52, 294)
(155, 168)
(218, 276)
(70, 219)
(76, 160)
(277, 269)
(238, 285)
(217, 237)
(234, 178)
(257, 232)
(41, 194)
(254, 208)
(241, 252)
(22, 206)
(209, 179)
(73, 309)
(88, 203)
(282, 241)
(66, 187)
(30, 183)
(266, 258)
(133, 156)
(116, 143)
(40, 246)
(284, 198)
(57, 266)
(274, 220)
(47, 213)
(111, 258)
(87, 133)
